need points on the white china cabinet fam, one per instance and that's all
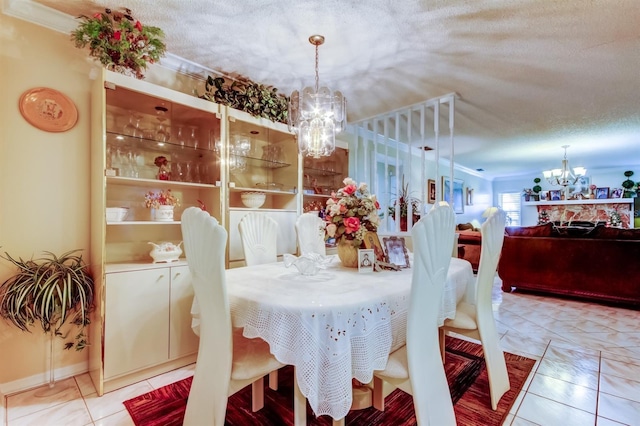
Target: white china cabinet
(262, 158)
(146, 138)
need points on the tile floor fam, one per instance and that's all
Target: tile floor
(588, 370)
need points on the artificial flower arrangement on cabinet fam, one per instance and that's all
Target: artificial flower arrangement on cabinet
(351, 212)
(120, 42)
(161, 204)
(404, 200)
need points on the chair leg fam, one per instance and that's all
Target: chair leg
(378, 393)
(257, 395)
(273, 380)
(442, 342)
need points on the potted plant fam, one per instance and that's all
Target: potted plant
(628, 185)
(256, 99)
(536, 189)
(404, 200)
(120, 42)
(161, 204)
(52, 291)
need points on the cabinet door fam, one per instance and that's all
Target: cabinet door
(136, 319)
(182, 339)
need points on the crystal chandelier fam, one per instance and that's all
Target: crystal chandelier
(564, 176)
(316, 115)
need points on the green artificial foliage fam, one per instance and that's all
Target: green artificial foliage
(537, 188)
(245, 95)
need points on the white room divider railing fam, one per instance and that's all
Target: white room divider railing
(403, 147)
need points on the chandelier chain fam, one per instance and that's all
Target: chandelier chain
(317, 77)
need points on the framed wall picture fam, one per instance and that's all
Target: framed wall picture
(580, 187)
(602, 193)
(458, 194)
(555, 195)
(616, 193)
(365, 260)
(396, 251)
(371, 241)
(431, 191)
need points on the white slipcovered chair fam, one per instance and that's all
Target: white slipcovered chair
(474, 313)
(416, 367)
(259, 235)
(227, 362)
(310, 233)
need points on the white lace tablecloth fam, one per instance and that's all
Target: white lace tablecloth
(334, 326)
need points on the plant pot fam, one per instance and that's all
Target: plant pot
(348, 255)
(163, 214)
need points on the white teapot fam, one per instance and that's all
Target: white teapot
(165, 252)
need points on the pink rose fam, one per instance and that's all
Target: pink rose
(352, 224)
(138, 26)
(349, 189)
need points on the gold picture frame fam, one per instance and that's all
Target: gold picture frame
(371, 241)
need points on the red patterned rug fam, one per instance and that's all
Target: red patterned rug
(465, 369)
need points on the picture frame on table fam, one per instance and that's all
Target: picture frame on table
(366, 260)
(616, 193)
(602, 193)
(431, 191)
(458, 194)
(396, 251)
(555, 195)
(371, 241)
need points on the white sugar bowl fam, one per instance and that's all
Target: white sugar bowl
(253, 200)
(165, 252)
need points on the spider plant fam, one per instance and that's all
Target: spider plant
(52, 290)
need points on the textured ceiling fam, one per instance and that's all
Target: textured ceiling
(532, 75)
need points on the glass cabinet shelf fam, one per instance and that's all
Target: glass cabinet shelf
(120, 180)
(266, 191)
(144, 222)
(321, 172)
(256, 162)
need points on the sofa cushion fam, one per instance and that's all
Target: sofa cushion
(604, 232)
(465, 227)
(469, 237)
(545, 230)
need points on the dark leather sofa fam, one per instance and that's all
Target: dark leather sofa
(598, 263)
(469, 244)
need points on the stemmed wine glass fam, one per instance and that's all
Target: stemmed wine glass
(193, 139)
(162, 134)
(132, 128)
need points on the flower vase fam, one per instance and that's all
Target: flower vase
(163, 214)
(348, 255)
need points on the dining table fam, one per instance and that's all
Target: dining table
(335, 326)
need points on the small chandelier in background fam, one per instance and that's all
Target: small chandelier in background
(316, 115)
(564, 176)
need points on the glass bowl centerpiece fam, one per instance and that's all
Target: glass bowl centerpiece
(351, 213)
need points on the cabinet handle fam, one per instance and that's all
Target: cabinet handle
(161, 276)
(177, 275)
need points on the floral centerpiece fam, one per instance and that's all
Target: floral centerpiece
(154, 200)
(351, 212)
(120, 42)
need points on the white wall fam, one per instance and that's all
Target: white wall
(44, 178)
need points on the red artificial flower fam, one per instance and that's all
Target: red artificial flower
(138, 26)
(377, 204)
(98, 15)
(350, 189)
(352, 224)
(117, 35)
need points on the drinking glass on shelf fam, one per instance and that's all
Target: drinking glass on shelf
(132, 128)
(162, 133)
(189, 172)
(177, 170)
(193, 138)
(181, 137)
